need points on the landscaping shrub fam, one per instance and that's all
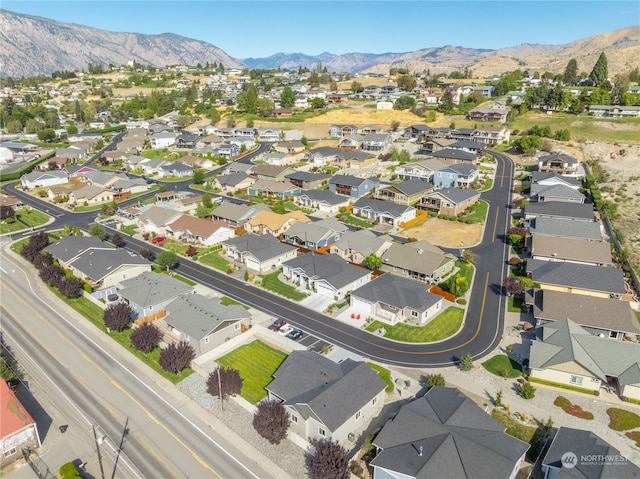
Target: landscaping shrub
(146, 337)
(527, 391)
(271, 421)
(622, 420)
(176, 357)
(572, 409)
(117, 316)
(69, 471)
(229, 379)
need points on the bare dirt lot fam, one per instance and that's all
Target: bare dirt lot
(445, 233)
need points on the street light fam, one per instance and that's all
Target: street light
(99, 441)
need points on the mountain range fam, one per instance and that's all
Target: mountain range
(32, 45)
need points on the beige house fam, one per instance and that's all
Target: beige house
(274, 223)
(199, 230)
(449, 201)
(90, 195)
(419, 260)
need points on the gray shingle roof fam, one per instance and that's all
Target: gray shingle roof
(98, 263)
(234, 212)
(582, 443)
(412, 187)
(324, 196)
(578, 276)
(232, 179)
(330, 268)
(571, 249)
(581, 211)
(316, 231)
(381, 206)
(396, 291)
(538, 176)
(418, 256)
(263, 247)
(568, 228)
(446, 435)
(317, 386)
(449, 153)
(198, 316)
(347, 180)
(471, 145)
(362, 241)
(555, 191)
(158, 216)
(307, 176)
(455, 195)
(68, 247)
(558, 156)
(152, 288)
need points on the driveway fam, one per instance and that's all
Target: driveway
(317, 302)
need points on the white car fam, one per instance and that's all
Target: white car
(284, 330)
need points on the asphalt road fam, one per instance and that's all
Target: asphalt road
(166, 435)
(483, 325)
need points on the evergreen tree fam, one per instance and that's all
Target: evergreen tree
(571, 72)
(600, 71)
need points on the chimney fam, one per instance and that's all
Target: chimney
(420, 453)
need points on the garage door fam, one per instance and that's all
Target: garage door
(361, 306)
(253, 264)
(324, 290)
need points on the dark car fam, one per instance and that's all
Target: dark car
(295, 334)
(277, 324)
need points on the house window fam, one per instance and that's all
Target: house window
(124, 275)
(9, 452)
(206, 340)
(375, 401)
(294, 418)
(321, 431)
(613, 335)
(414, 314)
(358, 415)
(236, 326)
(151, 308)
(576, 380)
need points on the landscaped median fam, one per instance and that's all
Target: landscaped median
(443, 326)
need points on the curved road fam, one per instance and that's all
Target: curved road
(484, 321)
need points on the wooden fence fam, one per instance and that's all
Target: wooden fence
(440, 292)
(420, 215)
(150, 317)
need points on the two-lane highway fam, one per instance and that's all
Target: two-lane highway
(167, 435)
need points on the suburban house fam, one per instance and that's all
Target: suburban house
(18, 430)
(273, 189)
(103, 268)
(415, 131)
(353, 159)
(151, 292)
(584, 443)
(132, 185)
(614, 111)
(204, 322)
(327, 275)
(268, 222)
(406, 193)
(489, 114)
(566, 228)
(452, 157)
(315, 235)
(42, 179)
(162, 140)
(419, 260)
(322, 155)
(438, 144)
(187, 140)
(380, 211)
(236, 215)
(308, 181)
(566, 353)
(263, 253)
(393, 299)
(582, 279)
(233, 182)
(352, 142)
(469, 146)
(322, 200)
(289, 147)
(339, 131)
(279, 158)
(355, 246)
(558, 163)
(195, 161)
(376, 141)
(324, 399)
(352, 186)
(612, 318)
(269, 134)
(228, 149)
(559, 209)
(572, 250)
(555, 193)
(449, 201)
(271, 172)
(154, 219)
(68, 248)
(552, 178)
(199, 230)
(459, 176)
(445, 434)
(420, 170)
(151, 167)
(175, 169)
(90, 195)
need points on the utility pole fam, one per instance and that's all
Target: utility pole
(95, 437)
(219, 390)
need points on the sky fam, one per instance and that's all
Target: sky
(262, 28)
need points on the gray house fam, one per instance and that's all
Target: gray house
(236, 215)
(262, 253)
(352, 186)
(204, 322)
(322, 200)
(585, 443)
(556, 248)
(68, 248)
(151, 292)
(566, 228)
(393, 300)
(555, 193)
(326, 399)
(444, 434)
(355, 246)
(419, 260)
(559, 209)
(316, 234)
(103, 268)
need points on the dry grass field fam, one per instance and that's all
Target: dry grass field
(445, 233)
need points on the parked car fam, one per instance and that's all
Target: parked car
(285, 330)
(295, 334)
(158, 239)
(277, 324)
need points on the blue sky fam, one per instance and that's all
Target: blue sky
(262, 28)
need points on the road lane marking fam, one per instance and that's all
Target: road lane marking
(173, 408)
(495, 225)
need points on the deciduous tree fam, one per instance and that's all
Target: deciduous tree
(167, 259)
(97, 230)
(226, 378)
(287, 97)
(327, 460)
(146, 337)
(271, 421)
(117, 316)
(176, 356)
(117, 240)
(372, 261)
(70, 287)
(512, 286)
(7, 211)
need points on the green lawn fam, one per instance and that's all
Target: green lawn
(256, 363)
(24, 220)
(226, 301)
(53, 237)
(84, 209)
(214, 260)
(622, 420)
(443, 326)
(271, 282)
(384, 374)
(514, 304)
(488, 184)
(502, 366)
(528, 434)
(480, 214)
(568, 387)
(129, 229)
